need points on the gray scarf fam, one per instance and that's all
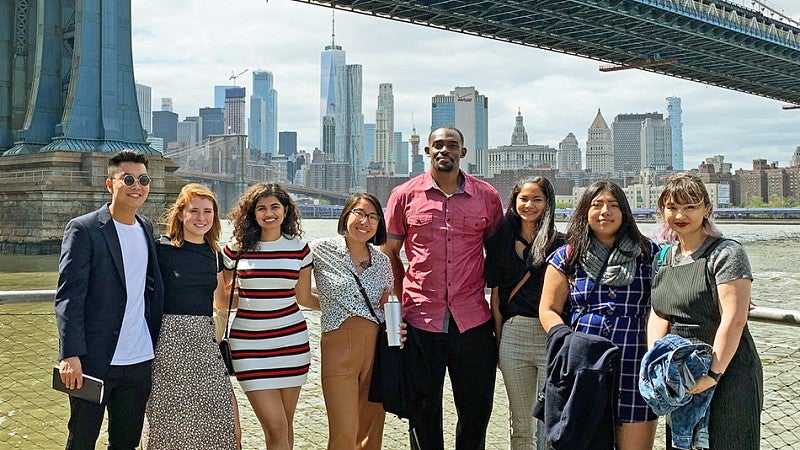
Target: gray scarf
(621, 267)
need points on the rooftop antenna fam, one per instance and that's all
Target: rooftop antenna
(333, 28)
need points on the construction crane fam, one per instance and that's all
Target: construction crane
(235, 76)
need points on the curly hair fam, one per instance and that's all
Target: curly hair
(579, 233)
(172, 220)
(246, 229)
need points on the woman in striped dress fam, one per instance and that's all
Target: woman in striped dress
(269, 339)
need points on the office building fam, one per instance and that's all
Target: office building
(400, 155)
(199, 121)
(383, 158)
(626, 131)
(569, 155)
(235, 111)
(264, 114)
(520, 154)
(331, 59)
(219, 96)
(187, 132)
(165, 126)
(656, 144)
(350, 123)
(144, 99)
(287, 143)
(213, 122)
(166, 104)
(468, 111)
(369, 145)
(417, 165)
(599, 146)
(676, 126)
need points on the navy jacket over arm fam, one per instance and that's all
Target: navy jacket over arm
(91, 296)
(578, 403)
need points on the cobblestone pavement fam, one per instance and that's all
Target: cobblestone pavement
(311, 423)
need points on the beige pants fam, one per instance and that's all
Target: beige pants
(347, 353)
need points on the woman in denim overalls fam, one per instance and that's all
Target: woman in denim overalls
(701, 291)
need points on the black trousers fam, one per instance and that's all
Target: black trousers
(126, 391)
(471, 360)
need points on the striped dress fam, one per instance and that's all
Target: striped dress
(268, 336)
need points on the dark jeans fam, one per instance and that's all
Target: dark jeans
(471, 360)
(126, 391)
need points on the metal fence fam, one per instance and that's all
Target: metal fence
(34, 416)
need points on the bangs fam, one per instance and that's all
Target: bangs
(683, 193)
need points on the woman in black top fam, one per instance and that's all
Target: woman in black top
(192, 404)
(515, 266)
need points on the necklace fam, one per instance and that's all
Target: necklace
(364, 263)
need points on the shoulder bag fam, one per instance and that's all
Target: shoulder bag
(224, 345)
(387, 385)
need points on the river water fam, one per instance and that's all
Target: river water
(772, 250)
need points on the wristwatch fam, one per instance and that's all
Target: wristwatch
(714, 375)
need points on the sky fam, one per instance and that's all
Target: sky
(182, 48)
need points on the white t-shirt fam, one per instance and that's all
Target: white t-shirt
(134, 344)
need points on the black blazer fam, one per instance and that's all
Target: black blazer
(91, 295)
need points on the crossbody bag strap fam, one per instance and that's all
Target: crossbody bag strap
(583, 309)
(230, 299)
(364, 294)
(519, 285)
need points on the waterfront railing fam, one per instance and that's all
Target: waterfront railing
(34, 416)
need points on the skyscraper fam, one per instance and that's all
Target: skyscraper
(234, 110)
(255, 124)
(599, 146)
(166, 104)
(468, 111)
(626, 130)
(287, 143)
(400, 154)
(144, 98)
(656, 142)
(213, 122)
(187, 132)
(199, 128)
(165, 126)
(674, 113)
(331, 58)
(569, 155)
(350, 123)
(219, 96)
(265, 122)
(417, 166)
(384, 130)
(369, 143)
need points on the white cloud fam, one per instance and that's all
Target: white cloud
(183, 48)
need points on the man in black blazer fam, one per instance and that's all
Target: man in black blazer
(108, 306)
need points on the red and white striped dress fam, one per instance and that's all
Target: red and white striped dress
(268, 336)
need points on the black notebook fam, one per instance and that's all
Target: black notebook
(92, 389)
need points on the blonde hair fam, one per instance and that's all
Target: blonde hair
(172, 218)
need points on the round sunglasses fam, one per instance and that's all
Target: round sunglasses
(129, 179)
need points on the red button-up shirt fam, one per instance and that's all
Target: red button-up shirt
(443, 240)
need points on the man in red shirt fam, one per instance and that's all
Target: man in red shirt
(442, 217)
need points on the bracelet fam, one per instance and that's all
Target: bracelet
(714, 375)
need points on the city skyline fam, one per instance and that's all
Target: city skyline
(556, 93)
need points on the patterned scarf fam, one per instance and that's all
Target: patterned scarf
(621, 267)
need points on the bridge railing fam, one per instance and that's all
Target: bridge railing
(785, 35)
(34, 416)
(44, 176)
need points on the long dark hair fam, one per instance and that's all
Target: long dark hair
(246, 230)
(511, 225)
(579, 233)
(352, 202)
